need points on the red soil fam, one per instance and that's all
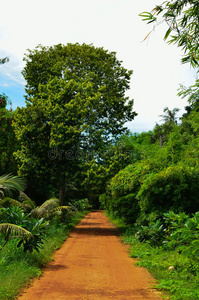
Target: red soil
(92, 264)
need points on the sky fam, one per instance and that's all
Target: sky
(111, 24)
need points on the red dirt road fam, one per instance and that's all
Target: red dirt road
(92, 264)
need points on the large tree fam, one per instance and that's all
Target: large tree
(7, 137)
(76, 107)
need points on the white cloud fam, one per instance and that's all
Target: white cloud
(112, 24)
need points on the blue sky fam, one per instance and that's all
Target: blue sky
(112, 24)
(13, 90)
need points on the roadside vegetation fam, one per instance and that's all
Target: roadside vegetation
(29, 236)
(168, 248)
(68, 150)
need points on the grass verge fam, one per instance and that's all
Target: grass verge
(177, 274)
(18, 268)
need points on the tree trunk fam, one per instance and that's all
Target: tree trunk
(61, 195)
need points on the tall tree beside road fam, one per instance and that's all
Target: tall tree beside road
(76, 107)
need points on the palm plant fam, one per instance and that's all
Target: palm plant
(170, 115)
(11, 231)
(49, 208)
(9, 183)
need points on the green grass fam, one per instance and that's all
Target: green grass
(180, 283)
(18, 268)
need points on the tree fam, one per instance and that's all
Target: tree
(162, 131)
(170, 115)
(76, 107)
(192, 93)
(183, 26)
(7, 137)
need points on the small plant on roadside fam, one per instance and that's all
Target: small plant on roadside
(82, 204)
(154, 233)
(11, 231)
(14, 220)
(38, 229)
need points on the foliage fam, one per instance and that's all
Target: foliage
(7, 137)
(10, 231)
(176, 271)
(174, 232)
(18, 267)
(7, 202)
(76, 106)
(182, 20)
(183, 233)
(9, 183)
(38, 228)
(14, 218)
(121, 192)
(154, 233)
(180, 282)
(123, 187)
(170, 115)
(26, 200)
(14, 215)
(81, 205)
(98, 173)
(173, 188)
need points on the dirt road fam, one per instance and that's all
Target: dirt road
(92, 264)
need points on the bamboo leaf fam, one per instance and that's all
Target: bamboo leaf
(167, 33)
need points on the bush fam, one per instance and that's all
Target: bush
(123, 189)
(12, 216)
(175, 188)
(82, 204)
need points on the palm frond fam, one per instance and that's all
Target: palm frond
(60, 209)
(8, 229)
(50, 204)
(26, 200)
(11, 201)
(39, 212)
(9, 183)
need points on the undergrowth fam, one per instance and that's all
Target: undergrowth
(177, 272)
(18, 268)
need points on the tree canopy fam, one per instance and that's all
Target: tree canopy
(76, 107)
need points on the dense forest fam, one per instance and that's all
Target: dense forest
(69, 145)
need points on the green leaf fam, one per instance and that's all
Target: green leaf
(167, 33)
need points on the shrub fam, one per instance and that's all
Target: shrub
(123, 189)
(82, 204)
(16, 223)
(175, 188)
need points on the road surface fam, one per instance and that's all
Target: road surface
(92, 264)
